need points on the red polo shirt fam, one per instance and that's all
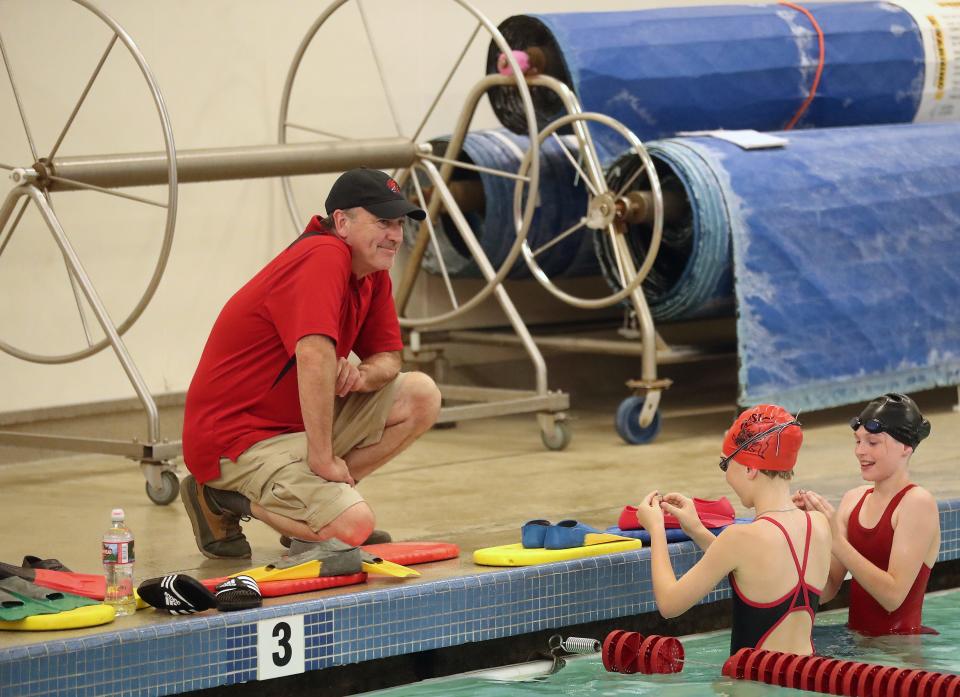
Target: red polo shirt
(235, 399)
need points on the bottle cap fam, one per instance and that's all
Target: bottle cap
(117, 514)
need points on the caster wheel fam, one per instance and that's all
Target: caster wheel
(628, 425)
(558, 437)
(167, 491)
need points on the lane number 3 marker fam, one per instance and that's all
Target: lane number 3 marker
(280, 647)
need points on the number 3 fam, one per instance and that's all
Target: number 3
(280, 647)
(281, 632)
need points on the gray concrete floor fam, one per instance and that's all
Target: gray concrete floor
(473, 485)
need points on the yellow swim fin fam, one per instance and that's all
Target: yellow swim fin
(270, 572)
(375, 565)
(327, 561)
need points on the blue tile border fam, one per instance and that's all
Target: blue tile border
(200, 652)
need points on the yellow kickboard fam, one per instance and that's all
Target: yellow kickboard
(516, 555)
(88, 616)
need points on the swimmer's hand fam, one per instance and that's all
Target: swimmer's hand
(649, 514)
(335, 470)
(815, 502)
(800, 499)
(682, 507)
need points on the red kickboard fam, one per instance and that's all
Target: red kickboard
(92, 586)
(404, 553)
(412, 553)
(274, 589)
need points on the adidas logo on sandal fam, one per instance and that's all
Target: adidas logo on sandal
(170, 600)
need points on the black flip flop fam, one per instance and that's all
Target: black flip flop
(178, 594)
(238, 593)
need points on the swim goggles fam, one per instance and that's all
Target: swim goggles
(870, 425)
(725, 461)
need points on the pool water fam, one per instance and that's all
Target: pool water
(705, 655)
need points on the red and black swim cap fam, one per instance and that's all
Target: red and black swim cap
(765, 437)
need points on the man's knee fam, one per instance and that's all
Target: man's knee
(423, 397)
(353, 526)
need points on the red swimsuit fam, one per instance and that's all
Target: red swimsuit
(867, 616)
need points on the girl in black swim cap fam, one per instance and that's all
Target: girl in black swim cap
(886, 533)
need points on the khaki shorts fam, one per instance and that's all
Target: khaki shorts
(274, 472)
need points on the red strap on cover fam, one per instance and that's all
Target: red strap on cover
(820, 63)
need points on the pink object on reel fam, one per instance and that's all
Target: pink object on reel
(522, 58)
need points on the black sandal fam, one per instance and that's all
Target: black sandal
(238, 593)
(178, 594)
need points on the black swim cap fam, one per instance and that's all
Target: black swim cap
(896, 414)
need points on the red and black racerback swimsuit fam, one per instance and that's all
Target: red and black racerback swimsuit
(867, 616)
(753, 622)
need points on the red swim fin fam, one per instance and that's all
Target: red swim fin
(87, 585)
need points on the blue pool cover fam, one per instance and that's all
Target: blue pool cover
(846, 259)
(664, 71)
(562, 202)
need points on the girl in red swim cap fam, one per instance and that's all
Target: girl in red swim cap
(776, 565)
(887, 532)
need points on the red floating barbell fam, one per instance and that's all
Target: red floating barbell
(631, 652)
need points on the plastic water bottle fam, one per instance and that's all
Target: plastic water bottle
(118, 565)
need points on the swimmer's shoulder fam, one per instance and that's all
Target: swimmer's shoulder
(821, 526)
(850, 499)
(919, 501)
(920, 495)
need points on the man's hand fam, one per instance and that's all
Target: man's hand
(335, 470)
(349, 378)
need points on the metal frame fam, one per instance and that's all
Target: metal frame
(610, 210)
(104, 173)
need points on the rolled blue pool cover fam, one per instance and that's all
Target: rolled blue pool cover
(691, 276)
(846, 258)
(664, 71)
(563, 201)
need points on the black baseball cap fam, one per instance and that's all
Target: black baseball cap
(373, 190)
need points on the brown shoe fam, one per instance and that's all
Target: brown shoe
(216, 530)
